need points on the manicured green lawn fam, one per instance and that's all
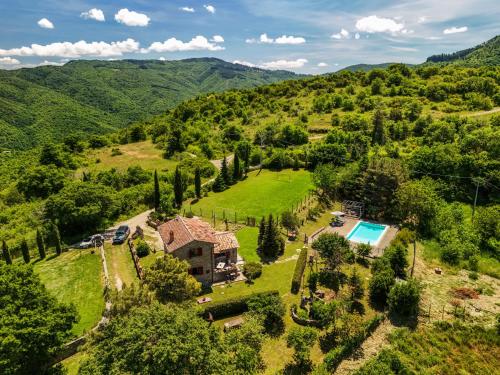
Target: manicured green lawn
(247, 238)
(72, 364)
(257, 196)
(76, 277)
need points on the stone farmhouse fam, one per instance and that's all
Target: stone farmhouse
(212, 255)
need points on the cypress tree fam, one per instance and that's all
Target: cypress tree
(236, 168)
(40, 244)
(197, 183)
(6, 253)
(156, 192)
(56, 237)
(178, 191)
(224, 171)
(378, 134)
(26, 251)
(262, 233)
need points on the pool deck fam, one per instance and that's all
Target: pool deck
(350, 223)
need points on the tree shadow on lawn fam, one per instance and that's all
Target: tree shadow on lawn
(294, 369)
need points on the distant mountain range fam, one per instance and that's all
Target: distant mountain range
(50, 102)
(487, 53)
(368, 67)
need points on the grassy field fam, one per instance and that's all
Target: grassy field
(144, 154)
(72, 364)
(444, 349)
(257, 196)
(120, 265)
(76, 277)
(247, 238)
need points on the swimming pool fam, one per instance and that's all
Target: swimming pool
(368, 233)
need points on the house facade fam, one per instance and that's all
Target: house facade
(212, 255)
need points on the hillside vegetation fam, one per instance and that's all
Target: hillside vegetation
(95, 97)
(484, 54)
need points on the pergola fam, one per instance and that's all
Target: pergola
(353, 208)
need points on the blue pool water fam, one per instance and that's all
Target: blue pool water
(368, 233)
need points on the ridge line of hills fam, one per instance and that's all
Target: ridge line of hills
(84, 97)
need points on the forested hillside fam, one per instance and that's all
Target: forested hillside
(485, 54)
(96, 97)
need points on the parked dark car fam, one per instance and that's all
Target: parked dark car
(121, 234)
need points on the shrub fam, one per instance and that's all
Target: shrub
(404, 298)
(271, 308)
(335, 356)
(252, 270)
(142, 249)
(234, 306)
(380, 286)
(300, 266)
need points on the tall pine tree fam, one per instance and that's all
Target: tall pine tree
(6, 253)
(25, 251)
(178, 190)
(272, 243)
(236, 168)
(156, 192)
(219, 184)
(197, 183)
(40, 244)
(224, 171)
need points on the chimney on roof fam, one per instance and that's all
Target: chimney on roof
(171, 237)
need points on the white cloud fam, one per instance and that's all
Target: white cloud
(322, 65)
(405, 49)
(44, 23)
(433, 38)
(373, 24)
(209, 8)
(78, 49)
(217, 39)
(454, 30)
(94, 14)
(343, 34)
(422, 19)
(162, 59)
(187, 9)
(284, 64)
(246, 63)
(131, 18)
(9, 61)
(198, 43)
(357, 36)
(284, 39)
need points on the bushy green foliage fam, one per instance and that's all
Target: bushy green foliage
(187, 344)
(404, 298)
(33, 324)
(252, 270)
(142, 248)
(234, 306)
(168, 278)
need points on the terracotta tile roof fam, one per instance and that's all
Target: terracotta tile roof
(180, 231)
(225, 241)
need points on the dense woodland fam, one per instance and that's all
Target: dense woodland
(408, 142)
(97, 97)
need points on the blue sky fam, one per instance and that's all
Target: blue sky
(312, 36)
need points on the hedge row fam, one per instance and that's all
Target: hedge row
(300, 266)
(335, 356)
(234, 306)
